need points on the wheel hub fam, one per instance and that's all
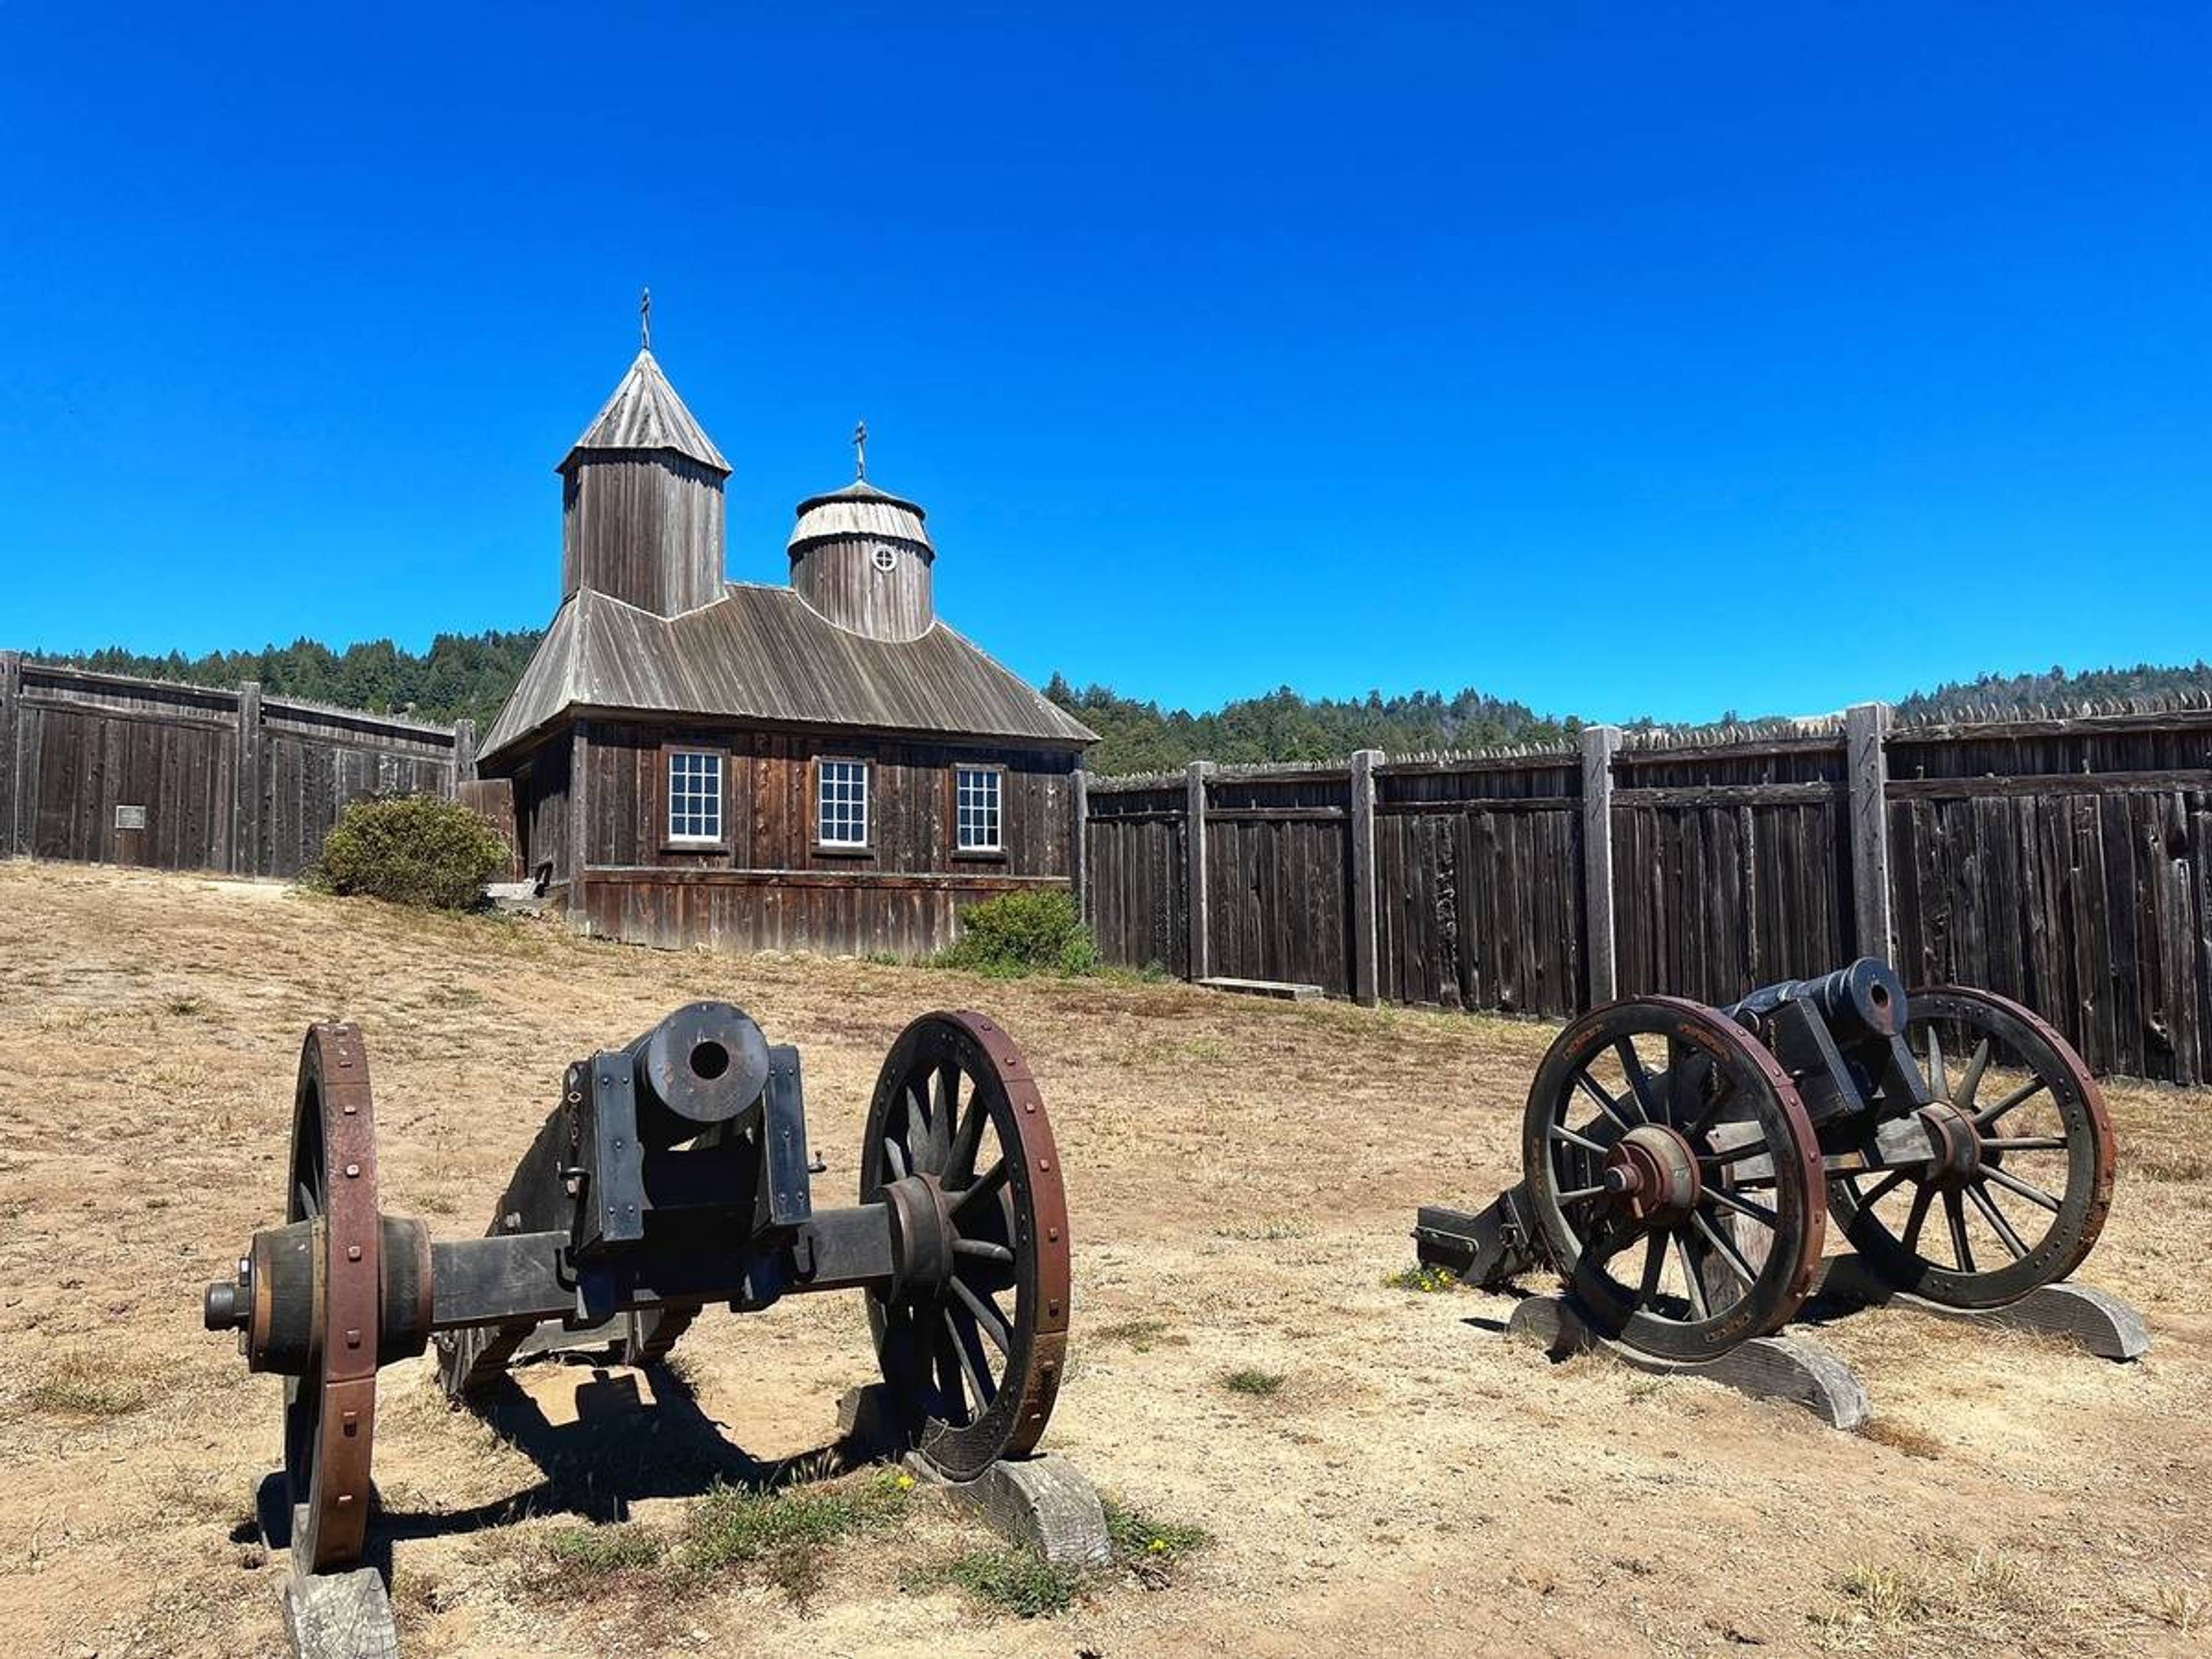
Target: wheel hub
(1953, 1146)
(1652, 1175)
(921, 1235)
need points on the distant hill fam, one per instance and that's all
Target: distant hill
(470, 674)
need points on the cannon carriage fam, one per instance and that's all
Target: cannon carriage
(673, 1175)
(1681, 1163)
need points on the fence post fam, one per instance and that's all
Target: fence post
(464, 753)
(1194, 865)
(11, 754)
(1079, 845)
(580, 834)
(246, 810)
(1600, 744)
(1366, 966)
(1867, 765)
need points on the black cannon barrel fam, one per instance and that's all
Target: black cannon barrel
(1867, 999)
(703, 1065)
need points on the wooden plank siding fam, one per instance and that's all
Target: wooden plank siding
(2062, 860)
(226, 779)
(770, 884)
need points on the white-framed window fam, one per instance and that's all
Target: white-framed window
(840, 814)
(694, 795)
(975, 795)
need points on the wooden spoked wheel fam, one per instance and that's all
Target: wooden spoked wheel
(1674, 1177)
(973, 1338)
(330, 1412)
(2021, 1194)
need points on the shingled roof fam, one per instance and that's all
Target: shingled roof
(760, 654)
(646, 414)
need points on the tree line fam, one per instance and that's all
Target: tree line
(470, 675)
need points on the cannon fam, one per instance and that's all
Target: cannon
(672, 1174)
(1680, 1163)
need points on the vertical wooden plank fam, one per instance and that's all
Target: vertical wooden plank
(1194, 817)
(247, 808)
(1866, 766)
(580, 821)
(1364, 959)
(465, 752)
(1600, 744)
(11, 752)
(1079, 845)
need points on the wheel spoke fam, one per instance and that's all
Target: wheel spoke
(988, 1319)
(1606, 1102)
(2018, 1096)
(987, 1183)
(1734, 1154)
(1759, 1212)
(1726, 1247)
(982, 1249)
(1883, 1189)
(1691, 1276)
(1581, 1195)
(1640, 1080)
(1560, 1132)
(1995, 1217)
(2012, 1183)
(1654, 1263)
(1921, 1199)
(945, 1110)
(2025, 1144)
(895, 1155)
(961, 1161)
(1955, 1212)
(1939, 1081)
(1721, 1096)
(978, 1377)
(1972, 1082)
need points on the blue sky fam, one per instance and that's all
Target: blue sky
(1635, 359)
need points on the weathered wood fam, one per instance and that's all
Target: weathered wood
(1790, 1368)
(1600, 744)
(1731, 795)
(1866, 728)
(465, 751)
(1364, 966)
(2035, 784)
(1275, 990)
(11, 758)
(580, 846)
(1078, 857)
(247, 809)
(340, 1615)
(2096, 1320)
(1194, 883)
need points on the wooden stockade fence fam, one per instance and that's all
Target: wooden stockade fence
(2062, 859)
(101, 768)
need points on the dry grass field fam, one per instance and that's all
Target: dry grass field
(1385, 1476)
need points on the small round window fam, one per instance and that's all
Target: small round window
(887, 558)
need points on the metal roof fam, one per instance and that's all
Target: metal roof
(646, 414)
(762, 653)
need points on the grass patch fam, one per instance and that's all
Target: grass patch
(1148, 1545)
(586, 1556)
(185, 1008)
(1253, 1382)
(1142, 1334)
(1010, 1581)
(786, 1535)
(1902, 1436)
(83, 1385)
(2176, 1167)
(1424, 1281)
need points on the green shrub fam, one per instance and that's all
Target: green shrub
(411, 849)
(1024, 933)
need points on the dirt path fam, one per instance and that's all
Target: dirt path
(1242, 1175)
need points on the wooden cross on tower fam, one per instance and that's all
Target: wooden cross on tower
(860, 450)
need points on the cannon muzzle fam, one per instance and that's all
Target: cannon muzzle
(705, 1063)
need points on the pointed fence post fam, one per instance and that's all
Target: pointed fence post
(1600, 744)
(1078, 847)
(1366, 966)
(1866, 728)
(11, 755)
(1194, 865)
(246, 807)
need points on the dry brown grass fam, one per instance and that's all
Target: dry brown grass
(1242, 1176)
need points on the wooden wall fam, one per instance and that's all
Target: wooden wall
(223, 780)
(771, 885)
(647, 529)
(2063, 861)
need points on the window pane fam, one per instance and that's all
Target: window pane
(695, 796)
(975, 801)
(842, 815)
